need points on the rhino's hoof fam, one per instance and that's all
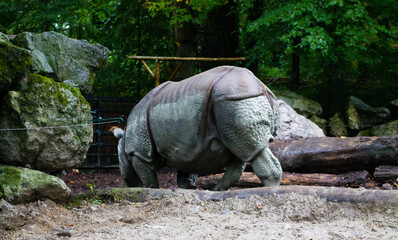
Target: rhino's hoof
(218, 188)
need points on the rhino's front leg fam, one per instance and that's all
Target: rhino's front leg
(186, 180)
(267, 167)
(147, 174)
(232, 175)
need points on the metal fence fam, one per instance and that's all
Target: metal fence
(103, 151)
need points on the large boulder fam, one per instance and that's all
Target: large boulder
(300, 104)
(387, 129)
(294, 126)
(20, 185)
(361, 116)
(14, 62)
(64, 59)
(48, 125)
(337, 126)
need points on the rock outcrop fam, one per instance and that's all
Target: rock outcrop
(20, 185)
(361, 116)
(45, 125)
(14, 63)
(300, 104)
(295, 126)
(64, 59)
(337, 125)
(387, 129)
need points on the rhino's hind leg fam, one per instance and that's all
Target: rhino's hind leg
(232, 175)
(186, 180)
(129, 176)
(245, 129)
(147, 175)
(267, 167)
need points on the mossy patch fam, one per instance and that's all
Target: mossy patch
(109, 195)
(14, 63)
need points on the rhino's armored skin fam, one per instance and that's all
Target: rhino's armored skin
(223, 117)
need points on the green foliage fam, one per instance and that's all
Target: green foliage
(336, 38)
(37, 16)
(345, 47)
(180, 11)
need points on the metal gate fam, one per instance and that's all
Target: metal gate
(103, 151)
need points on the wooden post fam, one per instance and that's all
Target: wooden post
(147, 68)
(157, 72)
(156, 75)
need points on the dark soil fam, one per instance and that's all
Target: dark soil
(86, 180)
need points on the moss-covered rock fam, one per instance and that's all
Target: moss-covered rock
(337, 126)
(14, 63)
(64, 59)
(387, 129)
(20, 185)
(361, 116)
(50, 125)
(322, 123)
(300, 104)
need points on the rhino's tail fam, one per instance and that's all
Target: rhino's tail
(117, 132)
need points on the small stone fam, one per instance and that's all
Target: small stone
(93, 208)
(65, 233)
(387, 186)
(6, 207)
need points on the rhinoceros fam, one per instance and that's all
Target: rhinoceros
(221, 118)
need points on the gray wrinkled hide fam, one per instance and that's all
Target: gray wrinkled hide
(223, 117)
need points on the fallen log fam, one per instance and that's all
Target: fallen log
(329, 193)
(249, 179)
(385, 173)
(336, 155)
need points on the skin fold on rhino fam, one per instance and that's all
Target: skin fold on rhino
(223, 117)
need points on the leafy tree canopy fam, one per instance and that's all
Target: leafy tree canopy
(335, 47)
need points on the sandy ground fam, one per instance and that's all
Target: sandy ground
(287, 216)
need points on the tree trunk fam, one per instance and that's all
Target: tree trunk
(219, 37)
(184, 44)
(385, 173)
(296, 64)
(336, 155)
(249, 179)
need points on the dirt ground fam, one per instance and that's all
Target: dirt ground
(287, 216)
